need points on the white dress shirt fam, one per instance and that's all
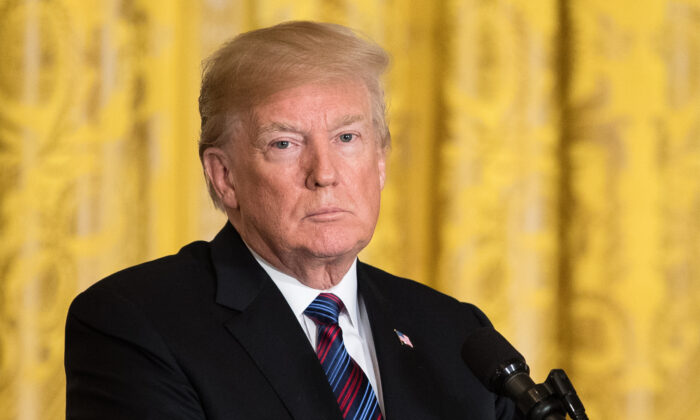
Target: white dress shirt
(353, 319)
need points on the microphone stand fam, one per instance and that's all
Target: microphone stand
(504, 372)
(564, 390)
(550, 400)
(539, 402)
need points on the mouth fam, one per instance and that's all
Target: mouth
(326, 214)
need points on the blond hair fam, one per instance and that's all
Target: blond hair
(257, 64)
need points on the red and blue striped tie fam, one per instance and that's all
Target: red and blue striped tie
(351, 387)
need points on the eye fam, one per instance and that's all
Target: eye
(347, 137)
(282, 144)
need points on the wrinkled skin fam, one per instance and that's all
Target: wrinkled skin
(302, 181)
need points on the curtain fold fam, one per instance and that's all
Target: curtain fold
(545, 166)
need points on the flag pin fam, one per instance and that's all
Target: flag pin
(403, 338)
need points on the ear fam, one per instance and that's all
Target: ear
(218, 167)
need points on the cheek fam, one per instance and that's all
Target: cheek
(274, 197)
(265, 211)
(368, 186)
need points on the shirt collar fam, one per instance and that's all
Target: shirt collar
(299, 296)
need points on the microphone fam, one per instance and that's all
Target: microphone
(502, 370)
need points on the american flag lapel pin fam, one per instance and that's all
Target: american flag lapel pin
(403, 339)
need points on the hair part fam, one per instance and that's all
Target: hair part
(255, 65)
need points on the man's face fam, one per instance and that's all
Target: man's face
(308, 175)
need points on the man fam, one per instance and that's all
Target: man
(275, 318)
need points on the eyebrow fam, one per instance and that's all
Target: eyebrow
(277, 126)
(346, 120)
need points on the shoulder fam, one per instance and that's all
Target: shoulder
(151, 284)
(125, 337)
(412, 297)
(438, 325)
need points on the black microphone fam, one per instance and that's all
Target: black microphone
(502, 370)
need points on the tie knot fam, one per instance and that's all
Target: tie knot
(325, 309)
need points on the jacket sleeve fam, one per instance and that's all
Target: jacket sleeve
(118, 366)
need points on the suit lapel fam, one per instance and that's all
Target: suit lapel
(267, 328)
(407, 385)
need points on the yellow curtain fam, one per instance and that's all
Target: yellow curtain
(546, 166)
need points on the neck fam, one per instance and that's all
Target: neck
(316, 272)
(321, 274)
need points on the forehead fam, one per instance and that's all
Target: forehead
(323, 103)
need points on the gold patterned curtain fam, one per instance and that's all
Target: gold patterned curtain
(546, 166)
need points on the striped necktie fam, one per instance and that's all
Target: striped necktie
(351, 387)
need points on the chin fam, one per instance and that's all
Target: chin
(330, 252)
(335, 247)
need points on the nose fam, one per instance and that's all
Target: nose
(321, 165)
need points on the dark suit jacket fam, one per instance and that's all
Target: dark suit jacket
(206, 334)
